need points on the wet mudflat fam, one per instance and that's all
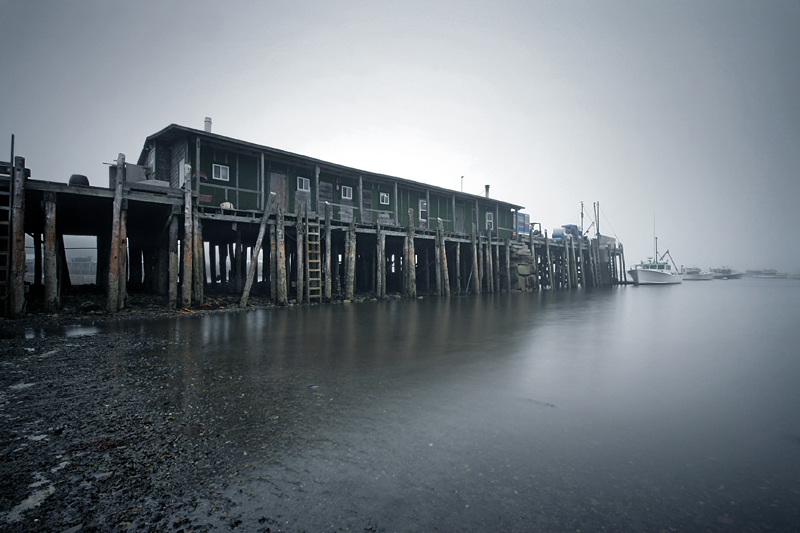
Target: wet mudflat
(632, 409)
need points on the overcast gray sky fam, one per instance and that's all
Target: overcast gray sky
(686, 111)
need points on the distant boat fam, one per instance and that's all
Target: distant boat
(767, 274)
(695, 274)
(725, 273)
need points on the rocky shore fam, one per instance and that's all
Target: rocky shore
(88, 444)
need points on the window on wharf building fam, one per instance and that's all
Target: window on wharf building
(220, 172)
(423, 210)
(384, 198)
(347, 192)
(489, 220)
(303, 184)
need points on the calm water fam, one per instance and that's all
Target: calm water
(628, 409)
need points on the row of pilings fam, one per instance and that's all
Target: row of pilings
(167, 245)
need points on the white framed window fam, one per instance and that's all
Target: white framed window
(423, 210)
(303, 184)
(384, 198)
(347, 192)
(489, 220)
(220, 172)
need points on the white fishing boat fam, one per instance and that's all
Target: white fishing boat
(655, 271)
(652, 272)
(695, 274)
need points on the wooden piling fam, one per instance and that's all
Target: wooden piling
(300, 227)
(173, 262)
(188, 240)
(437, 260)
(262, 229)
(112, 302)
(410, 260)
(281, 259)
(381, 262)
(199, 264)
(212, 263)
(550, 270)
(475, 274)
(481, 261)
(508, 263)
(443, 263)
(489, 265)
(496, 265)
(328, 236)
(350, 263)
(17, 274)
(458, 267)
(52, 298)
(37, 259)
(273, 263)
(123, 256)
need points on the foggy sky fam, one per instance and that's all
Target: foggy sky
(686, 112)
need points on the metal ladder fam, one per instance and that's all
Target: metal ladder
(313, 263)
(6, 172)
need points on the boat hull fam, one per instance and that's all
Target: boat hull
(698, 277)
(733, 275)
(653, 277)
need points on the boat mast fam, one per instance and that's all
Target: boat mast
(655, 239)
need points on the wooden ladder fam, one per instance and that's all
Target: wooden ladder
(313, 263)
(6, 172)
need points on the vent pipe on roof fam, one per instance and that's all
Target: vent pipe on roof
(487, 191)
(208, 125)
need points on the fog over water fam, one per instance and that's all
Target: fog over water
(683, 111)
(629, 409)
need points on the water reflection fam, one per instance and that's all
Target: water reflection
(555, 411)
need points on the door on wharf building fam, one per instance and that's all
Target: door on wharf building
(459, 224)
(277, 184)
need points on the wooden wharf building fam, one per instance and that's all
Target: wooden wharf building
(200, 213)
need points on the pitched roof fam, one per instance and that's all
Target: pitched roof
(175, 131)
